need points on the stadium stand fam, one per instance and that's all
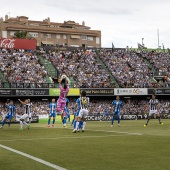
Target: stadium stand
(133, 69)
(83, 68)
(160, 62)
(86, 69)
(23, 70)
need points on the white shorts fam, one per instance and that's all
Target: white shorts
(24, 116)
(152, 112)
(83, 113)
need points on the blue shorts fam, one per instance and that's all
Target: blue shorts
(9, 117)
(65, 110)
(68, 115)
(116, 113)
(106, 114)
(52, 115)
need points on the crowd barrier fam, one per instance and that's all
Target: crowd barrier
(124, 117)
(35, 119)
(89, 91)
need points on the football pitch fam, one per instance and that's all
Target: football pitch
(101, 147)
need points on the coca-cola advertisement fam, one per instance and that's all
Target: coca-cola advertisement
(16, 43)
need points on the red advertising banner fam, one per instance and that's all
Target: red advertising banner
(18, 43)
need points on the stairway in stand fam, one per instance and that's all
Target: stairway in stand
(111, 76)
(51, 70)
(4, 81)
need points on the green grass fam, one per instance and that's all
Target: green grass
(100, 147)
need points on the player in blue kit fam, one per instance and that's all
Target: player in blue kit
(117, 104)
(10, 114)
(74, 110)
(106, 114)
(68, 115)
(77, 107)
(52, 107)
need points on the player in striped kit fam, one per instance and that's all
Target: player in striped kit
(154, 107)
(23, 118)
(30, 113)
(83, 113)
(52, 107)
(10, 114)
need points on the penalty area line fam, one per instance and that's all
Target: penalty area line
(109, 131)
(33, 158)
(57, 138)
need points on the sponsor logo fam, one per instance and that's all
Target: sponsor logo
(72, 92)
(136, 91)
(158, 91)
(130, 117)
(131, 91)
(7, 43)
(125, 117)
(167, 91)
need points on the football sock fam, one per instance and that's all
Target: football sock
(24, 122)
(72, 122)
(159, 119)
(64, 121)
(4, 121)
(112, 120)
(84, 124)
(29, 120)
(75, 124)
(80, 124)
(21, 123)
(53, 121)
(147, 121)
(49, 121)
(118, 119)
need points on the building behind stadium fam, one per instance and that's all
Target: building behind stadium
(47, 33)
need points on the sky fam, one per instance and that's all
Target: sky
(123, 22)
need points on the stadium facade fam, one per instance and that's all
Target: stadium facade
(47, 33)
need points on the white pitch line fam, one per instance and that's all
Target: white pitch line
(115, 132)
(108, 131)
(33, 158)
(65, 137)
(103, 131)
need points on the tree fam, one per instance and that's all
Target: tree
(22, 34)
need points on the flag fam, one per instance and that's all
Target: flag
(113, 47)
(141, 46)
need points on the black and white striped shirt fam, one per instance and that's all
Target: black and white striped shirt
(153, 104)
(84, 102)
(27, 109)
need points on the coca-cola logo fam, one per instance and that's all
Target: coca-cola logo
(7, 43)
